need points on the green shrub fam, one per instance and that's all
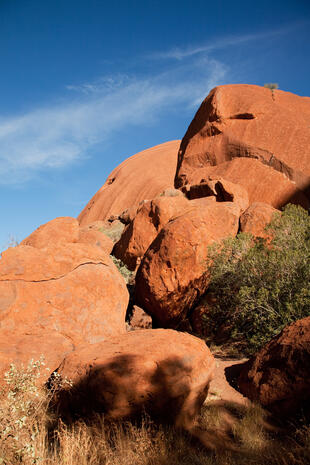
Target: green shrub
(260, 287)
(124, 271)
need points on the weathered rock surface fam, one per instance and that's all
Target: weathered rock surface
(253, 137)
(139, 319)
(58, 231)
(58, 290)
(222, 190)
(160, 371)
(64, 230)
(173, 272)
(142, 176)
(142, 230)
(92, 234)
(256, 217)
(278, 376)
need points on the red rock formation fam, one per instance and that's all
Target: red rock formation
(256, 217)
(160, 371)
(57, 290)
(253, 137)
(278, 376)
(173, 272)
(222, 190)
(139, 319)
(142, 176)
(142, 230)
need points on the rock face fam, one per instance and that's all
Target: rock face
(142, 230)
(57, 293)
(222, 190)
(91, 234)
(253, 137)
(278, 376)
(256, 217)
(173, 272)
(64, 230)
(142, 176)
(139, 319)
(160, 371)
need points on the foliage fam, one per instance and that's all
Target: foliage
(124, 271)
(170, 192)
(271, 85)
(20, 410)
(12, 242)
(24, 413)
(260, 286)
(114, 232)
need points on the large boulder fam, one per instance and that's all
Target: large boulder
(142, 230)
(278, 376)
(174, 273)
(65, 230)
(93, 234)
(162, 372)
(142, 176)
(60, 291)
(254, 137)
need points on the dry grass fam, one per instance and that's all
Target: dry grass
(232, 434)
(114, 231)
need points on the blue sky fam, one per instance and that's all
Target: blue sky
(85, 84)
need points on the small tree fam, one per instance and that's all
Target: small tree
(271, 85)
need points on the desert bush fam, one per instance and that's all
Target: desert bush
(124, 271)
(260, 286)
(170, 192)
(114, 232)
(271, 85)
(21, 406)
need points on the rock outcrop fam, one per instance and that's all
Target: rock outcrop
(142, 176)
(221, 190)
(57, 293)
(254, 137)
(278, 376)
(173, 272)
(162, 372)
(92, 234)
(143, 229)
(139, 319)
(256, 217)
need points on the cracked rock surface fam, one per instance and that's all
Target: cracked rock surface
(57, 293)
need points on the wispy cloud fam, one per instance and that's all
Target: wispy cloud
(56, 136)
(223, 43)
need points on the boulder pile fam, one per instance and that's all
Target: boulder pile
(244, 156)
